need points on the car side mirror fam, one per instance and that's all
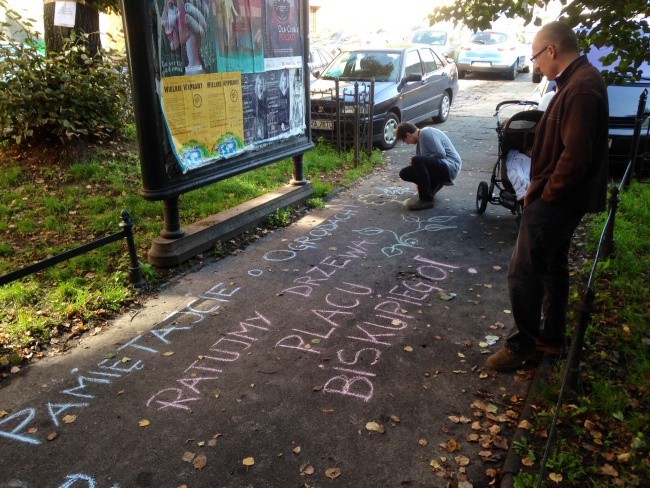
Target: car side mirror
(413, 77)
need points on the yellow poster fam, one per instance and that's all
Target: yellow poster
(204, 114)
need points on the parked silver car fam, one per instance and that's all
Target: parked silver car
(412, 83)
(493, 51)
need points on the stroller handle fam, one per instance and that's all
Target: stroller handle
(514, 102)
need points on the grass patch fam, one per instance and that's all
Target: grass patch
(603, 438)
(48, 206)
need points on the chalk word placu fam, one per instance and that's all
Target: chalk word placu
(353, 376)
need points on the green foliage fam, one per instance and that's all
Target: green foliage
(623, 21)
(63, 98)
(280, 218)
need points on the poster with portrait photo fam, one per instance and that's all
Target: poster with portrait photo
(297, 101)
(255, 104)
(278, 88)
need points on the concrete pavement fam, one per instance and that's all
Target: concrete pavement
(346, 350)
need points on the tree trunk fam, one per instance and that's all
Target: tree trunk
(86, 22)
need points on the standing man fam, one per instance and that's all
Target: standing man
(568, 178)
(436, 162)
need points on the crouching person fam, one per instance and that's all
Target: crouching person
(436, 162)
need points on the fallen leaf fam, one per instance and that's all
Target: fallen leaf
(557, 477)
(52, 436)
(465, 484)
(3, 413)
(306, 469)
(491, 472)
(500, 442)
(462, 460)
(408, 348)
(200, 443)
(375, 427)
(395, 419)
(446, 296)
(525, 424)
(609, 470)
(200, 461)
(249, 461)
(327, 410)
(434, 464)
(451, 445)
(68, 419)
(144, 423)
(188, 457)
(527, 461)
(623, 457)
(296, 450)
(168, 353)
(332, 473)
(423, 442)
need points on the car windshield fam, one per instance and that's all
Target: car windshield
(487, 37)
(436, 38)
(363, 65)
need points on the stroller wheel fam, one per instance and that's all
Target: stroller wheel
(482, 197)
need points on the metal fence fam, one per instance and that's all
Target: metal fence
(135, 272)
(343, 116)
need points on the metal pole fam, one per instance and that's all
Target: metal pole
(357, 121)
(371, 115)
(135, 271)
(298, 171)
(609, 246)
(640, 113)
(172, 218)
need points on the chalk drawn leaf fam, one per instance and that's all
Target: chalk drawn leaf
(200, 461)
(391, 252)
(441, 219)
(144, 423)
(332, 473)
(375, 427)
(249, 461)
(370, 231)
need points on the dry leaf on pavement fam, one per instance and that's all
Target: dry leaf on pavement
(332, 473)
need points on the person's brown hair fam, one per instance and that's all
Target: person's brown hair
(404, 128)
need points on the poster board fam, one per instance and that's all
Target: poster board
(220, 87)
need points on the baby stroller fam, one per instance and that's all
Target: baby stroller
(516, 135)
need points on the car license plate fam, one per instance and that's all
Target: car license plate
(320, 124)
(481, 63)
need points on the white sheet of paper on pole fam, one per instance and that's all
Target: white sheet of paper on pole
(65, 13)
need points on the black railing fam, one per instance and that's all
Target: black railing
(135, 272)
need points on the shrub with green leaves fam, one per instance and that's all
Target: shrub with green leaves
(62, 97)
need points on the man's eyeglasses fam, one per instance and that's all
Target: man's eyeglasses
(535, 56)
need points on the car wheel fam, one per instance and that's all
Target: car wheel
(461, 74)
(526, 69)
(482, 197)
(443, 110)
(389, 133)
(511, 74)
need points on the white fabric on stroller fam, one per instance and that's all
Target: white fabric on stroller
(518, 172)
